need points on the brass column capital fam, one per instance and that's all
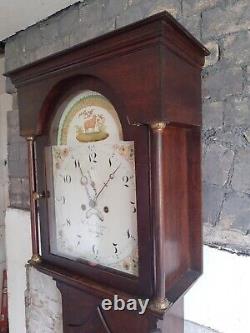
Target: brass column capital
(158, 126)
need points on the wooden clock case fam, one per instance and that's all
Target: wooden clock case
(150, 71)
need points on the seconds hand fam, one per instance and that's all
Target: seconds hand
(111, 176)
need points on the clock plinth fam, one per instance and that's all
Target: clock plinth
(113, 128)
(83, 312)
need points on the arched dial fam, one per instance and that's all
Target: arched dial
(91, 176)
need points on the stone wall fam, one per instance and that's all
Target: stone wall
(223, 26)
(5, 106)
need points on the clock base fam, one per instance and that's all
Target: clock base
(83, 313)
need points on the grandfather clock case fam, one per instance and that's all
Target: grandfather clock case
(128, 102)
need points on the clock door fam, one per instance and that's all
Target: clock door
(92, 221)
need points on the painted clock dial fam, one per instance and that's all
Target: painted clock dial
(91, 178)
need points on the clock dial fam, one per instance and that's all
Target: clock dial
(95, 204)
(91, 176)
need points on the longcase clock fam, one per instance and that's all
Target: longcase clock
(113, 131)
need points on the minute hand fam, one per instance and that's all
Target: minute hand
(111, 176)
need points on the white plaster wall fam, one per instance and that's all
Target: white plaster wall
(18, 251)
(43, 304)
(221, 297)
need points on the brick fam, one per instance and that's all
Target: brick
(131, 15)
(43, 303)
(213, 58)
(223, 83)
(13, 119)
(15, 103)
(221, 21)
(49, 30)
(246, 135)
(212, 201)
(14, 52)
(5, 102)
(247, 86)
(68, 20)
(196, 6)
(14, 152)
(129, 3)
(152, 7)
(236, 48)
(113, 8)
(212, 115)
(241, 178)
(2, 245)
(17, 151)
(235, 213)
(19, 192)
(55, 46)
(33, 38)
(237, 112)
(91, 32)
(192, 24)
(216, 164)
(9, 87)
(2, 65)
(13, 128)
(2, 84)
(18, 168)
(92, 13)
(231, 137)
(14, 136)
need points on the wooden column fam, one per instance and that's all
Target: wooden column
(36, 258)
(159, 302)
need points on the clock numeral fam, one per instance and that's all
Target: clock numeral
(77, 164)
(68, 222)
(115, 247)
(61, 199)
(129, 235)
(67, 179)
(95, 251)
(92, 157)
(125, 180)
(133, 204)
(79, 240)
(110, 162)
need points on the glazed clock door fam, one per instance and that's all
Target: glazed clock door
(91, 180)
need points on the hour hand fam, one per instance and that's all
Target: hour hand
(84, 181)
(96, 212)
(92, 183)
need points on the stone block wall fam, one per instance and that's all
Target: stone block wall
(5, 106)
(224, 27)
